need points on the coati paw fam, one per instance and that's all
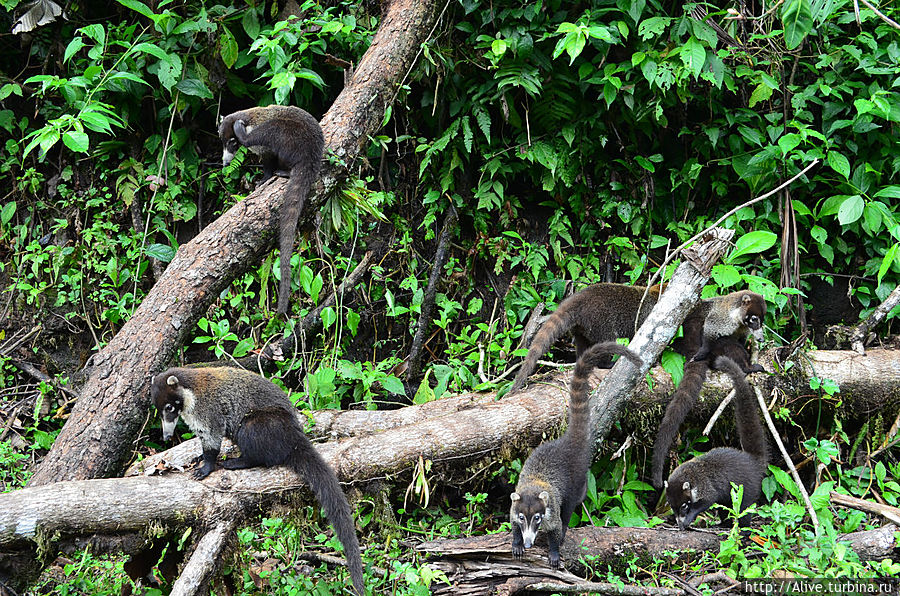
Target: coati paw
(554, 561)
(518, 552)
(202, 472)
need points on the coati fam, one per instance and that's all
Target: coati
(287, 139)
(600, 312)
(699, 483)
(553, 480)
(685, 396)
(604, 311)
(218, 402)
(734, 315)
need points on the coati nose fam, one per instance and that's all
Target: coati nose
(528, 542)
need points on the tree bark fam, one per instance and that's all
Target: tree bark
(97, 438)
(484, 564)
(452, 433)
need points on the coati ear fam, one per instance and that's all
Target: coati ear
(746, 298)
(686, 485)
(172, 381)
(514, 497)
(545, 498)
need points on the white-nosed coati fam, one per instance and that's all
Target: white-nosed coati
(685, 396)
(553, 479)
(287, 139)
(734, 315)
(604, 312)
(218, 402)
(699, 483)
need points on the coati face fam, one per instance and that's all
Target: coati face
(230, 146)
(751, 312)
(527, 512)
(170, 398)
(685, 503)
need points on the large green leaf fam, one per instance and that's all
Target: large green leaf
(797, 18)
(751, 243)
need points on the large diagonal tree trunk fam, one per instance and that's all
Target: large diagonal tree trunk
(97, 439)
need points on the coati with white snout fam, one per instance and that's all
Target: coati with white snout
(734, 315)
(553, 480)
(287, 139)
(699, 483)
(685, 396)
(218, 402)
(605, 311)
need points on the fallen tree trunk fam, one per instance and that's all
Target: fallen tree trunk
(453, 433)
(484, 564)
(97, 438)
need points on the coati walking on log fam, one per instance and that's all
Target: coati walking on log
(218, 402)
(604, 312)
(287, 139)
(699, 483)
(685, 396)
(553, 480)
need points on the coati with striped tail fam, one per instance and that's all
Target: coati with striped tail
(699, 483)
(685, 396)
(604, 312)
(218, 402)
(287, 139)
(553, 480)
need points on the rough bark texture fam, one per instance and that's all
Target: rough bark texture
(452, 433)
(96, 440)
(484, 564)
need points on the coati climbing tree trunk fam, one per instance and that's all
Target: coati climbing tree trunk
(97, 439)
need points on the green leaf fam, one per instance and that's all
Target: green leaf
(752, 243)
(653, 27)
(328, 317)
(796, 16)
(77, 141)
(250, 23)
(73, 47)
(890, 257)
(194, 87)
(762, 93)
(851, 209)
(6, 214)
(228, 47)
(394, 385)
(353, 319)
(726, 275)
(242, 348)
(788, 143)
(161, 252)
(137, 7)
(693, 54)
(839, 164)
(782, 478)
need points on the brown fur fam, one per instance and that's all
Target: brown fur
(286, 138)
(685, 396)
(699, 483)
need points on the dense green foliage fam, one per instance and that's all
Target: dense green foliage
(578, 141)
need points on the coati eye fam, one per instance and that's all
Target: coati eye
(537, 518)
(522, 517)
(685, 508)
(169, 408)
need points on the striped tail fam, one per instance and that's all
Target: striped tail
(580, 387)
(553, 328)
(746, 411)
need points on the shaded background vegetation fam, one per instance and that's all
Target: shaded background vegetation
(578, 141)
